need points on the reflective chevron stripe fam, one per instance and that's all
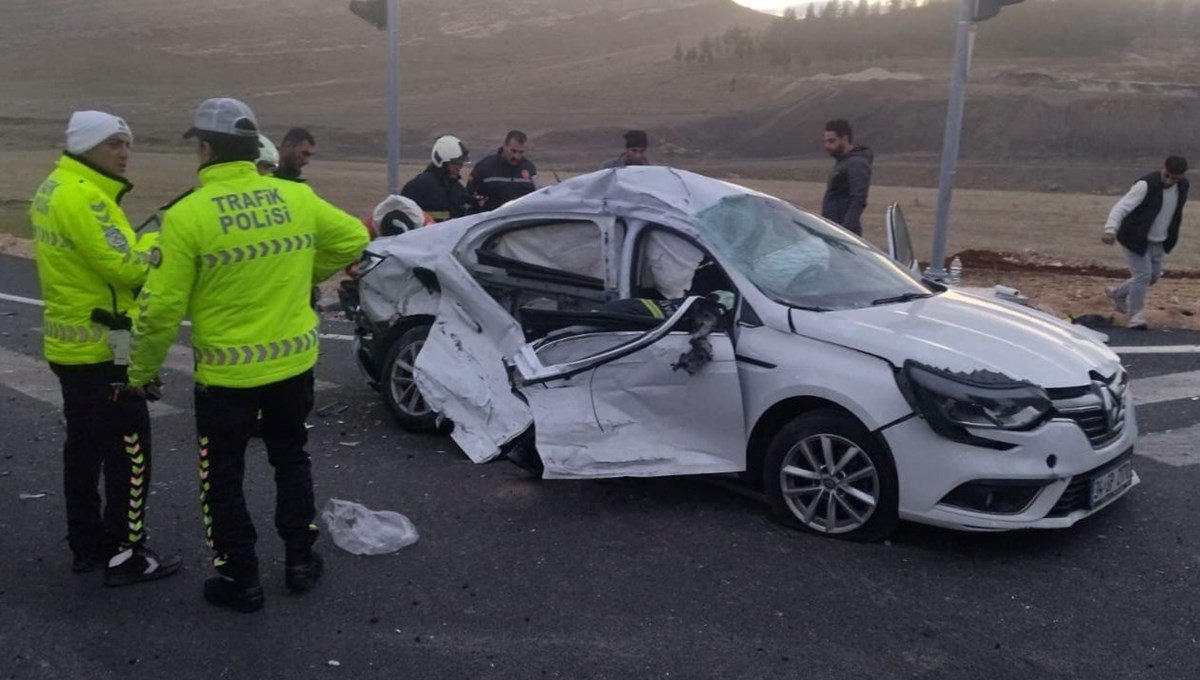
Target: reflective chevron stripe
(253, 251)
(137, 487)
(205, 508)
(249, 354)
(52, 238)
(71, 333)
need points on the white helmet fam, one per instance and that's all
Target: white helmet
(397, 214)
(448, 149)
(267, 153)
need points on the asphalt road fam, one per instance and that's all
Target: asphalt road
(521, 578)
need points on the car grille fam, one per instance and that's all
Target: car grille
(1078, 495)
(1098, 409)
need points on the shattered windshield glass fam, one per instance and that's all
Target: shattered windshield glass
(801, 260)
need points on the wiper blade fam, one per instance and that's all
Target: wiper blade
(900, 298)
(807, 308)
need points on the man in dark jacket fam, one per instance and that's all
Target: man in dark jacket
(1146, 223)
(636, 143)
(850, 180)
(503, 176)
(437, 190)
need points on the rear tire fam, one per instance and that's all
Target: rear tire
(400, 391)
(826, 474)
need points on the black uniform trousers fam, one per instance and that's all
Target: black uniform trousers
(226, 419)
(109, 436)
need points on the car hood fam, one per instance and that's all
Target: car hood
(962, 332)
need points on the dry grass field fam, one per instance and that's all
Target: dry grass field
(1052, 240)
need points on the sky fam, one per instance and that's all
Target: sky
(772, 6)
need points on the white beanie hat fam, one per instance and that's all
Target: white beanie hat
(87, 129)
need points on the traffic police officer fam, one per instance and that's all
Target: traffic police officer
(241, 253)
(89, 262)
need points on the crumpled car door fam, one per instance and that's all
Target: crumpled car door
(461, 370)
(630, 404)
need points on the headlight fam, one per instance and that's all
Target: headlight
(952, 402)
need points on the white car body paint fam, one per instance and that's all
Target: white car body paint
(636, 416)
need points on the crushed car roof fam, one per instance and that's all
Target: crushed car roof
(647, 192)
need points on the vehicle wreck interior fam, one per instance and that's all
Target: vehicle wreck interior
(551, 278)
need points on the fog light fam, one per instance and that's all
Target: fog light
(998, 497)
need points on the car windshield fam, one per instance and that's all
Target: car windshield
(801, 260)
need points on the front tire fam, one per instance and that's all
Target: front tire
(400, 391)
(826, 474)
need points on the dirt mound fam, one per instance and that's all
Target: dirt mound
(1029, 261)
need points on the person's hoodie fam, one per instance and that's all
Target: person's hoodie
(846, 192)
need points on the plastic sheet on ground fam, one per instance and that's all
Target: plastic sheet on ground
(359, 530)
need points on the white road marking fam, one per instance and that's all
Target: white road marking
(33, 378)
(1157, 349)
(1173, 447)
(32, 301)
(1168, 387)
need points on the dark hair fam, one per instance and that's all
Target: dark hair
(841, 128)
(637, 139)
(516, 135)
(1176, 165)
(297, 135)
(228, 148)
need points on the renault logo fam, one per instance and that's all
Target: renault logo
(1112, 404)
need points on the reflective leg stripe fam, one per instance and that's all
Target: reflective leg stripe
(249, 354)
(137, 488)
(655, 311)
(72, 333)
(254, 251)
(205, 510)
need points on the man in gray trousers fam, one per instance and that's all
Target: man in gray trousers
(1146, 223)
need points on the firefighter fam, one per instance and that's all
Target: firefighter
(438, 189)
(240, 254)
(89, 262)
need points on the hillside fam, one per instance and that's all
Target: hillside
(574, 73)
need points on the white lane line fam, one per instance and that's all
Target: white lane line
(38, 303)
(1158, 349)
(1173, 447)
(33, 378)
(1168, 387)
(22, 300)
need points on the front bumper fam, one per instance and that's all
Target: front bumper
(1057, 457)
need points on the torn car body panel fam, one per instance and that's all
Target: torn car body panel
(637, 415)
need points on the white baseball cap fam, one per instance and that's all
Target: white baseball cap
(224, 116)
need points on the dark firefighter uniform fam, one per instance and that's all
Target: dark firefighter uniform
(439, 195)
(88, 258)
(241, 254)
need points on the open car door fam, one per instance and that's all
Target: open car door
(636, 403)
(899, 241)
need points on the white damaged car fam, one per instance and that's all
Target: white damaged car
(648, 321)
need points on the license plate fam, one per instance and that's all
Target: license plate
(1112, 483)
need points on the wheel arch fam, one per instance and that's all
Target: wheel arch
(780, 414)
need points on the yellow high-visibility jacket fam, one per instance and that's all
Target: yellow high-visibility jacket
(87, 256)
(240, 254)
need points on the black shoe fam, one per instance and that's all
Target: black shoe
(303, 573)
(225, 592)
(84, 564)
(136, 565)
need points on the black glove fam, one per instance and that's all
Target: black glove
(151, 391)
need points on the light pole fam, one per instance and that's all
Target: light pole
(393, 107)
(970, 12)
(385, 14)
